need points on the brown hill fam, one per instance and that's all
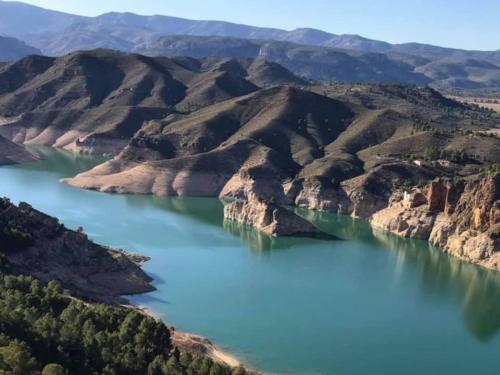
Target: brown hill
(95, 101)
(344, 153)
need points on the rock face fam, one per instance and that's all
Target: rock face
(38, 245)
(461, 217)
(11, 153)
(268, 218)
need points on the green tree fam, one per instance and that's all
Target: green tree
(54, 369)
(18, 359)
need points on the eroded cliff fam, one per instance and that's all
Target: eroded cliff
(460, 216)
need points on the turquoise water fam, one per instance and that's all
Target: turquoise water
(370, 303)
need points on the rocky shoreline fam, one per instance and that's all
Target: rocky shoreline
(37, 244)
(461, 217)
(269, 218)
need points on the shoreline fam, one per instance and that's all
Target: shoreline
(195, 344)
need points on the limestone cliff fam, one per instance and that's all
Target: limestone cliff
(461, 217)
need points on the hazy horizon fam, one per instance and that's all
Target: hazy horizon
(422, 21)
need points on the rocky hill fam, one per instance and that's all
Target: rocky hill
(347, 150)
(38, 245)
(95, 101)
(353, 135)
(318, 63)
(343, 65)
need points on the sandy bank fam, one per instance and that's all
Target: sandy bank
(195, 344)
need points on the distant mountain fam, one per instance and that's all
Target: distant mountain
(18, 19)
(12, 49)
(15, 16)
(308, 52)
(316, 63)
(461, 72)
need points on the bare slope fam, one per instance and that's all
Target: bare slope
(343, 152)
(94, 101)
(11, 153)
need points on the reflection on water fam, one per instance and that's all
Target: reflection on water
(257, 241)
(205, 210)
(63, 162)
(479, 289)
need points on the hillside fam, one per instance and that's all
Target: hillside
(333, 64)
(13, 49)
(95, 101)
(316, 63)
(12, 153)
(465, 73)
(38, 245)
(355, 138)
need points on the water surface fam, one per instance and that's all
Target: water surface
(370, 303)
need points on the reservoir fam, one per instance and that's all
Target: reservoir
(368, 303)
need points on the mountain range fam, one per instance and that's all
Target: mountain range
(310, 53)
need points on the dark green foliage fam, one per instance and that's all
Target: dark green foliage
(11, 233)
(44, 331)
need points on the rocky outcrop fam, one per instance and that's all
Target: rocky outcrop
(410, 223)
(268, 217)
(461, 217)
(38, 245)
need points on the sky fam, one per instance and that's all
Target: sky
(469, 24)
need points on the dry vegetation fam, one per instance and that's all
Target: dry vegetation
(492, 102)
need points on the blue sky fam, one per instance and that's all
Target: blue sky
(471, 24)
